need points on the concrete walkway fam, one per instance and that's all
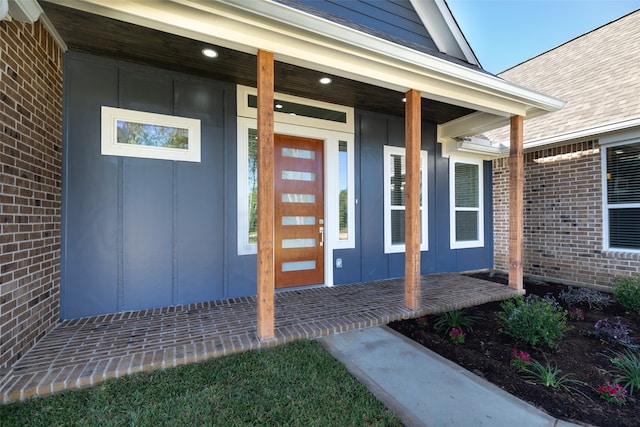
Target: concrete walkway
(423, 388)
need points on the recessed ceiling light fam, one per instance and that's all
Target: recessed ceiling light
(404, 99)
(209, 53)
(325, 80)
(278, 106)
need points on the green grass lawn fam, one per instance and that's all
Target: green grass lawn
(298, 384)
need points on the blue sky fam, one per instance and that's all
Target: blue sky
(504, 33)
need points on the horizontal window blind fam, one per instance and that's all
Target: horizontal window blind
(623, 196)
(396, 174)
(623, 174)
(624, 228)
(466, 226)
(467, 185)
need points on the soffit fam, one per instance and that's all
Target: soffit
(94, 34)
(368, 67)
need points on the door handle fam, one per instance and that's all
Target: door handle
(321, 230)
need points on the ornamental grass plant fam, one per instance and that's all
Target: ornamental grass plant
(549, 375)
(627, 369)
(459, 319)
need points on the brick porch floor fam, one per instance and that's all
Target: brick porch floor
(82, 352)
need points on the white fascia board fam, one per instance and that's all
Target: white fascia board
(596, 131)
(428, 65)
(30, 11)
(53, 32)
(469, 125)
(606, 133)
(479, 122)
(443, 29)
(302, 39)
(25, 10)
(4, 9)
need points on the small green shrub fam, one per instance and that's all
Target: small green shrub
(627, 369)
(458, 319)
(626, 291)
(533, 320)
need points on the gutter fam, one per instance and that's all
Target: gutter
(584, 133)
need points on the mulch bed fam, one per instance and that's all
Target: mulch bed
(487, 353)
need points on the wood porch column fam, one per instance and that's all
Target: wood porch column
(412, 200)
(516, 202)
(265, 273)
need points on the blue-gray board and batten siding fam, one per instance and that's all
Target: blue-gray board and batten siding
(144, 233)
(396, 19)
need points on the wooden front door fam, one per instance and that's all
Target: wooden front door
(299, 211)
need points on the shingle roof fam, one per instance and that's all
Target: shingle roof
(598, 74)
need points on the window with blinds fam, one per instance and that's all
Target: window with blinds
(394, 199)
(466, 214)
(622, 184)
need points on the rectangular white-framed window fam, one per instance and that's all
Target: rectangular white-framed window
(131, 133)
(338, 187)
(621, 196)
(466, 216)
(340, 154)
(298, 111)
(394, 200)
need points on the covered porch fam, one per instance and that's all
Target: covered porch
(284, 47)
(82, 352)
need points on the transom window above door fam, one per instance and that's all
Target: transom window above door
(299, 111)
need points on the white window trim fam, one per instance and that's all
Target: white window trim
(110, 146)
(331, 183)
(424, 212)
(612, 141)
(332, 190)
(452, 203)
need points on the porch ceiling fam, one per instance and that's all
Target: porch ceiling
(99, 35)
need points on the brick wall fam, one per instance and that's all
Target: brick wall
(30, 146)
(562, 217)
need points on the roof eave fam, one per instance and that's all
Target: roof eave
(299, 38)
(443, 28)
